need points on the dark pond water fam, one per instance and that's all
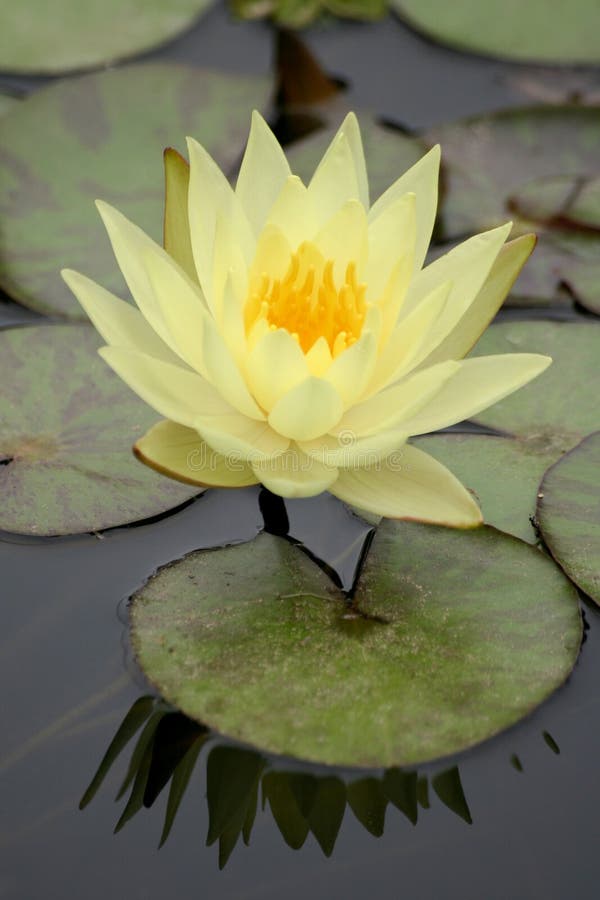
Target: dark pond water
(68, 680)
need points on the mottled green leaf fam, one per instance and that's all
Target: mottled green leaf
(388, 152)
(535, 30)
(67, 424)
(560, 406)
(7, 103)
(503, 473)
(103, 137)
(569, 514)
(564, 200)
(80, 34)
(433, 662)
(489, 158)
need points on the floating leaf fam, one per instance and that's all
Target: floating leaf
(489, 158)
(388, 152)
(569, 514)
(503, 473)
(563, 200)
(67, 424)
(7, 103)
(104, 136)
(560, 406)
(299, 13)
(429, 660)
(535, 31)
(82, 34)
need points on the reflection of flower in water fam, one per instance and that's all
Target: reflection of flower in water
(290, 335)
(301, 801)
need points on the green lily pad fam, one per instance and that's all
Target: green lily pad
(300, 13)
(82, 34)
(489, 158)
(533, 31)
(561, 406)
(452, 637)
(564, 200)
(67, 424)
(388, 152)
(7, 103)
(569, 514)
(504, 474)
(104, 136)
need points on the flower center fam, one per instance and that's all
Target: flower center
(308, 304)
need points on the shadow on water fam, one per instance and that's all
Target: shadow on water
(303, 799)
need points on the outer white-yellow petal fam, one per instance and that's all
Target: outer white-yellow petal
(422, 181)
(181, 453)
(391, 408)
(210, 195)
(311, 408)
(275, 365)
(293, 474)
(503, 274)
(118, 322)
(347, 451)
(392, 235)
(343, 239)
(238, 437)
(293, 212)
(479, 382)
(263, 171)
(351, 129)
(335, 180)
(410, 484)
(174, 392)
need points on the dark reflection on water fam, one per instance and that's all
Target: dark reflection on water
(165, 747)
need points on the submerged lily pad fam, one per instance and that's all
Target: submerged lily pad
(103, 137)
(569, 514)
(534, 31)
(490, 158)
(388, 152)
(82, 34)
(67, 424)
(452, 637)
(504, 474)
(561, 406)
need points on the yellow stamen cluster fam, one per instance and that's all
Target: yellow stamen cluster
(308, 304)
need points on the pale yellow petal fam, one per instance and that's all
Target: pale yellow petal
(293, 212)
(351, 129)
(391, 408)
(118, 322)
(232, 321)
(262, 174)
(229, 264)
(408, 343)
(335, 180)
(293, 474)
(319, 358)
(346, 450)
(311, 408)
(176, 228)
(237, 437)
(479, 382)
(174, 392)
(273, 254)
(467, 266)
(275, 365)
(412, 485)
(130, 244)
(222, 371)
(210, 196)
(343, 239)
(392, 237)
(181, 453)
(469, 328)
(422, 181)
(352, 370)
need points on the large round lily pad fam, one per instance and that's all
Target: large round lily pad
(67, 424)
(561, 406)
(38, 37)
(454, 636)
(569, 514)
(490, 158)
(103, 137)
(504, 474)
(388, 153)
(535, 30)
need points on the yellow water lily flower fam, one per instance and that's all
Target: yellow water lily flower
(290, 335)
